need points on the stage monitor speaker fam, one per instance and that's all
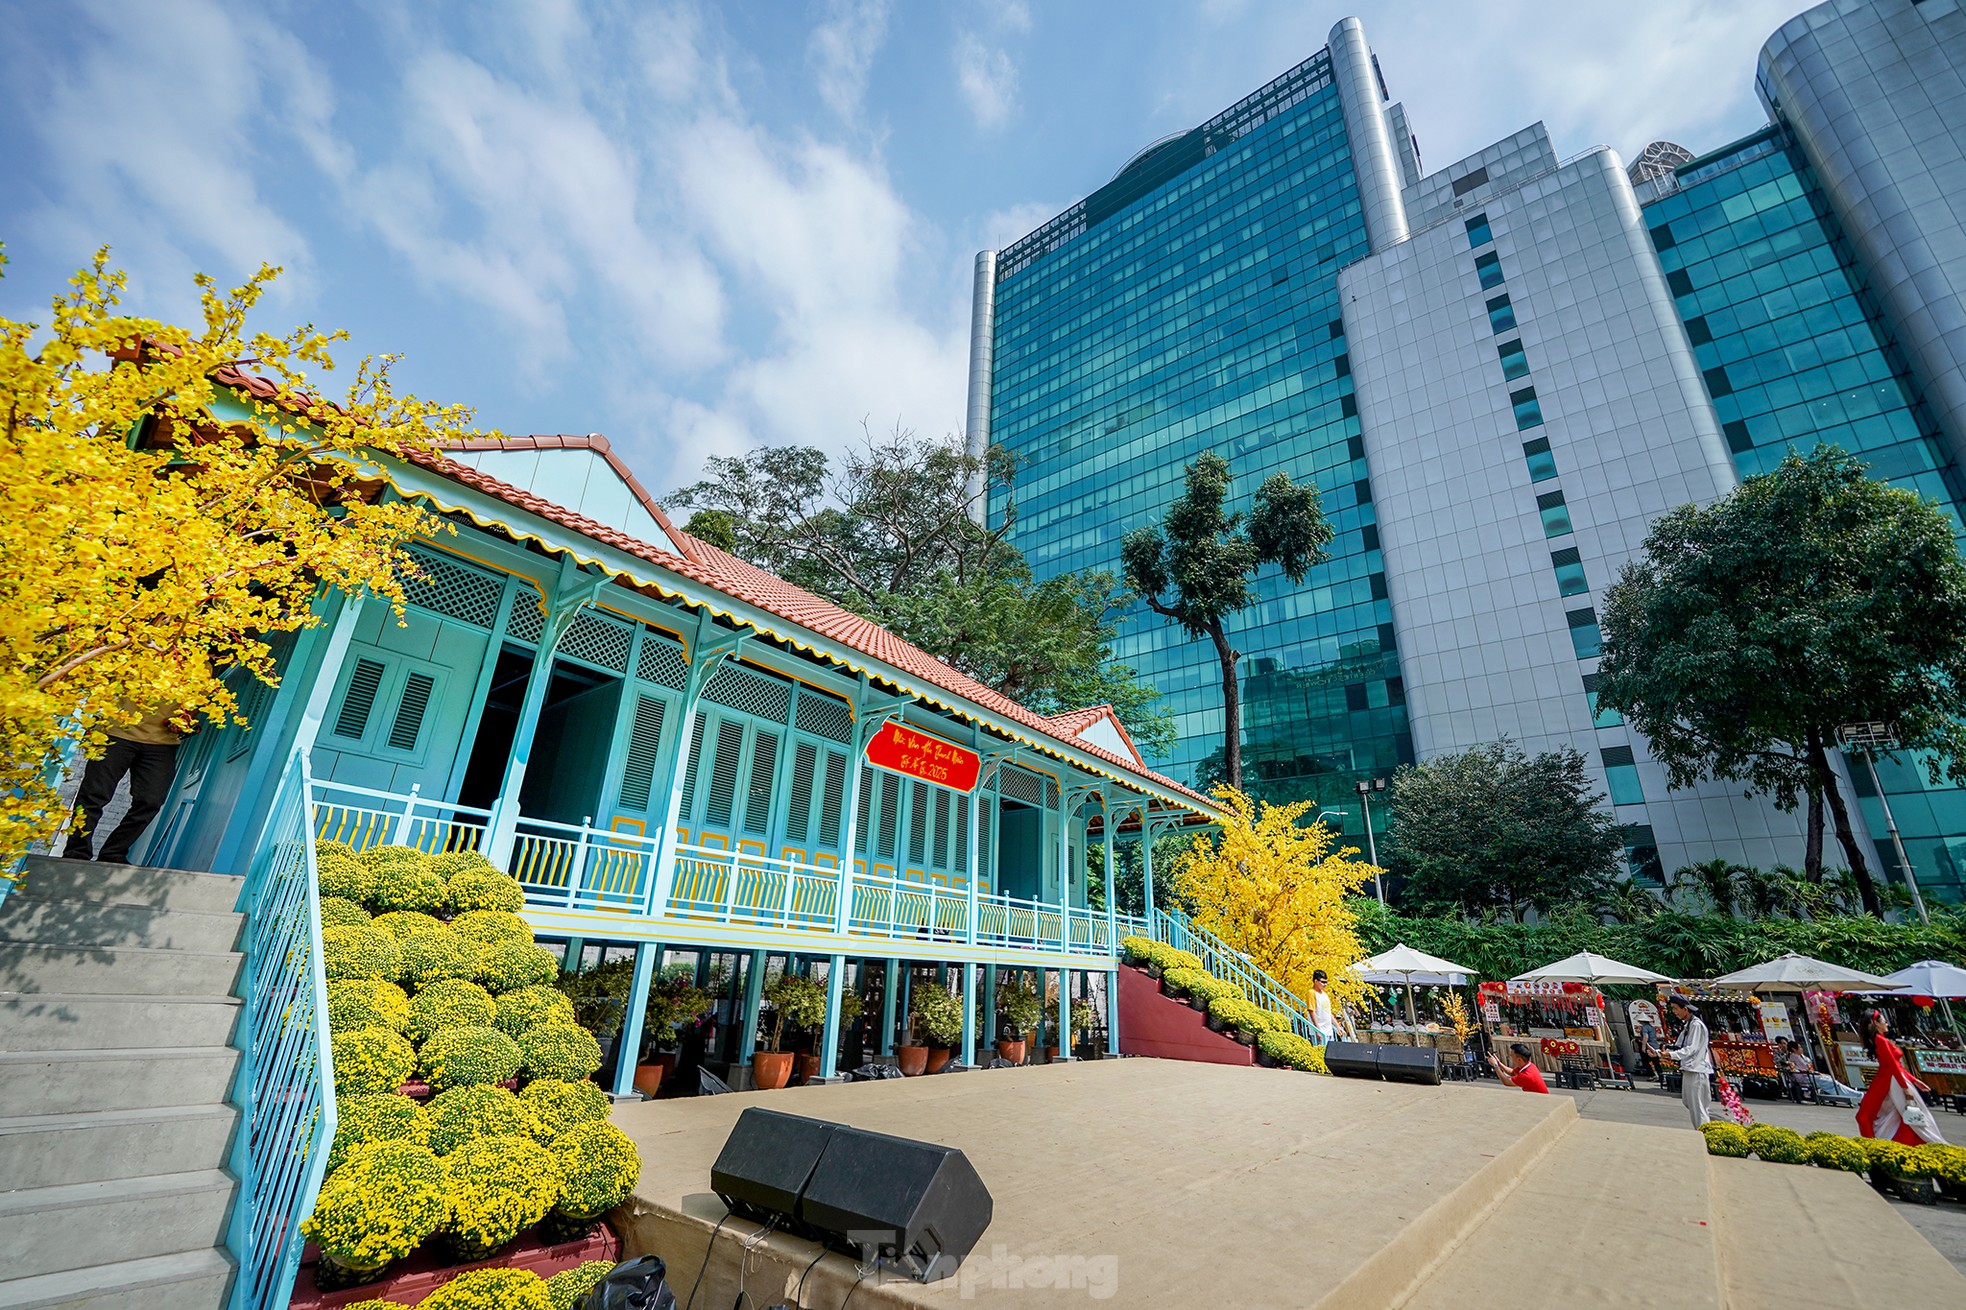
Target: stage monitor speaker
(1353, 1059)
(916, 1206)
(766, 1162)
(1410, 1064)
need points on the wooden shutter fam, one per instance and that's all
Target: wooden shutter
(764, 771)
(408, 724)
(695, 761)
(723, 776)
(644, 745)
(359, 700)
(798, 806)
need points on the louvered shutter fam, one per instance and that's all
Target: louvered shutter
(408, 724)
(723, 776)
(695, 761)
(359, 700)
(798, 806)
(833, 798)
(890, 816)
(864, 830)
(764, 771)
(644, 745)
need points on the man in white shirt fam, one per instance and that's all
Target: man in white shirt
(1321, 1019)
(1695, 1059)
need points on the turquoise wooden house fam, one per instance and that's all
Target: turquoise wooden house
(675, 751)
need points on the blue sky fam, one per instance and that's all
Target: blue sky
(701, 227)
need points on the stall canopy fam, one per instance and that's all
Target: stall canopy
(1597, 970)
(1411, 968)
(1930, 978)
(1800, 973)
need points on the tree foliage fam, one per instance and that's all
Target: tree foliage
(1808, 597)
(1198, 569)
(1493, 828)
(149, 547)
(892, 531)
(1277, 890)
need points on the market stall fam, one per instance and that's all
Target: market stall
(1922, 1022)
(1558, 1021)
(1741, 1029)
(1812, 985)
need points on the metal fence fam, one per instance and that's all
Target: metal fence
(1230, 965)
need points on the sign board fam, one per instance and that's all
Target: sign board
(1594, 1016)
(902, 749)
(1642, 1012)
(1946, 1062)
(1491, 1011)
(1775, 1020)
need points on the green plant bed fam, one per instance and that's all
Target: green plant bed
(469, 1056)
(1778, 1145)
(449, 1003)
(495, 1188)
(359, 951)
(367, 1003)
(556, 1050)
(465, 1114)
(529, 1007)
(1725, 1138)
(380, 1205)
(598, 1166)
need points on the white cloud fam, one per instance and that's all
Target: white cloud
(987, 79)
(842, 51)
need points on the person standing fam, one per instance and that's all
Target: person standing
(1892, 1107)
(1528, 1077)
(1694, 1056)
(1321, 1017)
(146, 751)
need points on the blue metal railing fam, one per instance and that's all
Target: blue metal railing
(1230, 965)
(285, 1085)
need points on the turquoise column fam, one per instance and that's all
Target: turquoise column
(829, 1054)
(1064, 1028)
(870, 715)
(754, 995)
(481, 688)
(990, 1006)
(630, 1049)
(907, 989)
(1113, 1012)
(969, 1014)
(1109, 830)
(570, 958)
(890, 998)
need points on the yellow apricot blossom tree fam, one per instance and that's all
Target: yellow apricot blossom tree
(1274, 889)
(170, 499)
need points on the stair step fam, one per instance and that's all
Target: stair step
(47, 1150)
(45, 1230)
(188, 1280)
(133, 1078)
(61, 921)
(52, 1021)
(117, 970)
(45, 878)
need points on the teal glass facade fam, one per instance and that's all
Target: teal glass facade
(1189, 306)
(1793, 353)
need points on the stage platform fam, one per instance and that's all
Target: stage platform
(1151, 1182)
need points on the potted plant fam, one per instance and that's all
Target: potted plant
(795, 1004)
(674, 999)
(1018, 1012)
(937, 1016)
(1082, 1018)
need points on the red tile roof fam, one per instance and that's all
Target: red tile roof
(600, 445)
(1073, 722)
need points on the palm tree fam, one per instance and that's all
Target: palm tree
(1627, 902)
(1720, 881)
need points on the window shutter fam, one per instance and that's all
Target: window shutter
(833, 799)
(410, 711)
(723, 777)
(864, 833)
(890, 819)
(695, 760)
(940, 855)
(358, 700)
(917, 824)
(960, 860)
(798, 806)
(764, 769)
(644, 744)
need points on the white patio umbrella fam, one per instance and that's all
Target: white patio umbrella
(1793, 974)
(1929, 978)
(1597, 970)
(1408, 964)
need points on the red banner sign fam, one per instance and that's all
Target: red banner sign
(920, 755)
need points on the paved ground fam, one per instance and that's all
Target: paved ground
(1943, 1225)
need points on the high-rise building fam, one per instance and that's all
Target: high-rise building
(1499, 374)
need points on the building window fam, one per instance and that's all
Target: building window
(1584, 633)
(1678, 283)
(1501, 315)
(1569, 566)
(1662, 237)
(1600, 718)
(1528, 414)
(1469, 181)
(1738, 439)
(1515, 360)
(1556, 515)
(1488, 268)
(1542, 464)
(1718, 383)
(1642, 854)
(1622, 774)
(1697, 330)
(1478, 232)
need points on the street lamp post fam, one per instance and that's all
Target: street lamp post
(1366, 786)
(1870, 738)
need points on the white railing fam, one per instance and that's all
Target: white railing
(364, 817)
(567, 866)
(756, 890)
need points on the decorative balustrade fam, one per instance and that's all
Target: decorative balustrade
(1230, 965)
(363, 817)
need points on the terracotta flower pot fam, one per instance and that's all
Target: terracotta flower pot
(1011, 1051)
(771, 1070)
(912, 1059)
(808, 1067)
(938, 1056)
(1050, 1054)
(648, 1077)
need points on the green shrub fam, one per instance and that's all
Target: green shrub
(569, 1285)
(557, 1105)
(400, 879)
(449, 1003)
(385, 1117)
(376, 1303)
(1292, 1051)
(356, 951)
(1875, 1148)
(405, 924)
(1834, 1151)
(559, 1050)
(484, 889)
(464, 1057)
(937, 1012)
(491, 1289)
(529, 1007)
(497, 1187)
(369, 1061)
(340, 912)
(464, 1114)
(599, 1166)
(380, 1205)
(442, 953)
(1778, 1145)
(1914, 1164)
(338, 873)
(1145, 950)
(1725, 1138)
(493, 926)
(1200, 984)
(366, 1003)
(1248, 1016)
(510, 964)
(1019, 1008)
(454, 862)
(1951, 1164)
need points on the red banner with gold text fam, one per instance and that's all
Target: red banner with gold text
(902, 749)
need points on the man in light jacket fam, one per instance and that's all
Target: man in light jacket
(1695, 1059)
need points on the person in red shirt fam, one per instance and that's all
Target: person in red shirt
(1528, 1077)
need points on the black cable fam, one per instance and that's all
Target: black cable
(799, 1293)
(851, 1290)
(706, 1260)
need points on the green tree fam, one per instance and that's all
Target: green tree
(1492, 827)
(1199, 567)
(1808, 597)
(893, 530)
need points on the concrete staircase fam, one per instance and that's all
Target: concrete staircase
(116, 1010)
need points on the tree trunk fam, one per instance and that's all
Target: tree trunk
(1231, 707)
(1812, 851)
(1845, 834)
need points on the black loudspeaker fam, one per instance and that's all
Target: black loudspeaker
(917, 1206)
(1353, 1059)
(766, 1163)
(1410, 1064)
